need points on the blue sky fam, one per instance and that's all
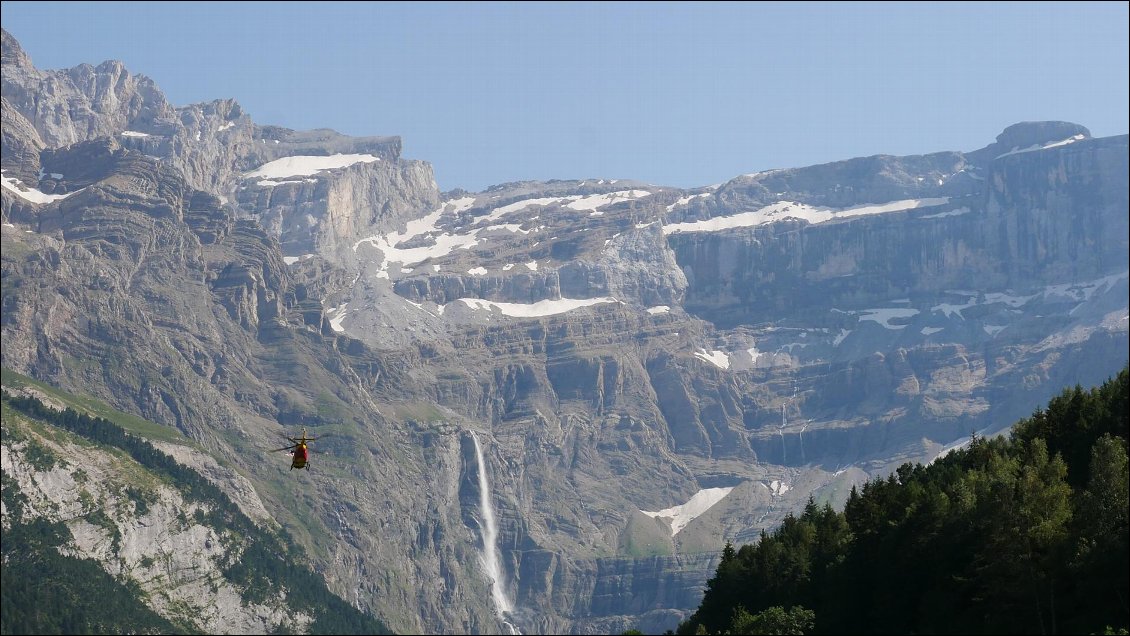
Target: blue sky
(675, 94)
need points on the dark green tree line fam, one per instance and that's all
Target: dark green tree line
(1021, 535)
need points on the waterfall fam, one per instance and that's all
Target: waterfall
(781, 432)
(489, 529)
(781, 429)
(802, 459)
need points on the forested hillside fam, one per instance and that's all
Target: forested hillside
(1023, 535)
(48, 586)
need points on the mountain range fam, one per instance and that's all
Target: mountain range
(548, 405)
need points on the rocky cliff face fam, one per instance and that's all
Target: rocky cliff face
(650, 371)
(317, 214)
(139, 527)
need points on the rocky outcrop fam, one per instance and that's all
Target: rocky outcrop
(328, 212)
(21, 145)
(82, 103)
(1029, 135)
(1056, 215)
(1011, 236)
(140, 530)
(636, 266)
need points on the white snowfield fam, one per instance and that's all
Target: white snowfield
(658, 309)
(444, 243)
(338, 314)
(1035, 147)
(573, 201)
(993, 330)
(680, 516)
(777, 487)
(782, 210)
(883, 316)
(534, 310)
(305, 165)
(31, 194)
(134, 133)
(717, 358)
(754, 354)
(458, 205)
(1072, 292)
(594, 201)
(501, 211)
(687, 199)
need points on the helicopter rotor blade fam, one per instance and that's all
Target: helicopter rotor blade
(273, 450)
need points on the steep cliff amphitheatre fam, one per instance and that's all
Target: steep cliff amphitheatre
(552, 403)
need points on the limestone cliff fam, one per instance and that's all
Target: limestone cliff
(650, 371)
(179, 546)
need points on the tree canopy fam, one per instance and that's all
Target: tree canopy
(1020, 535)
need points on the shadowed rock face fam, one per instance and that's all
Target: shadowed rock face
(613, 357)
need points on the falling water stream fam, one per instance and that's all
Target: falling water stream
(784, 422)
(489, 528)
(781, 432)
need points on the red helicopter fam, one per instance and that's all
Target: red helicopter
(300, 455)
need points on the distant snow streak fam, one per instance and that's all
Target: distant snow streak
(443, 243)
(499, 212)
(31, 194)
(778, 487)
(717, 358)
(782, 210)
(687, 199)
(1035, 147)
(573, 201)
(305, 165)
(538, 309)
(595, 201)
(884, 316)
(336, 320)
(680, 516)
